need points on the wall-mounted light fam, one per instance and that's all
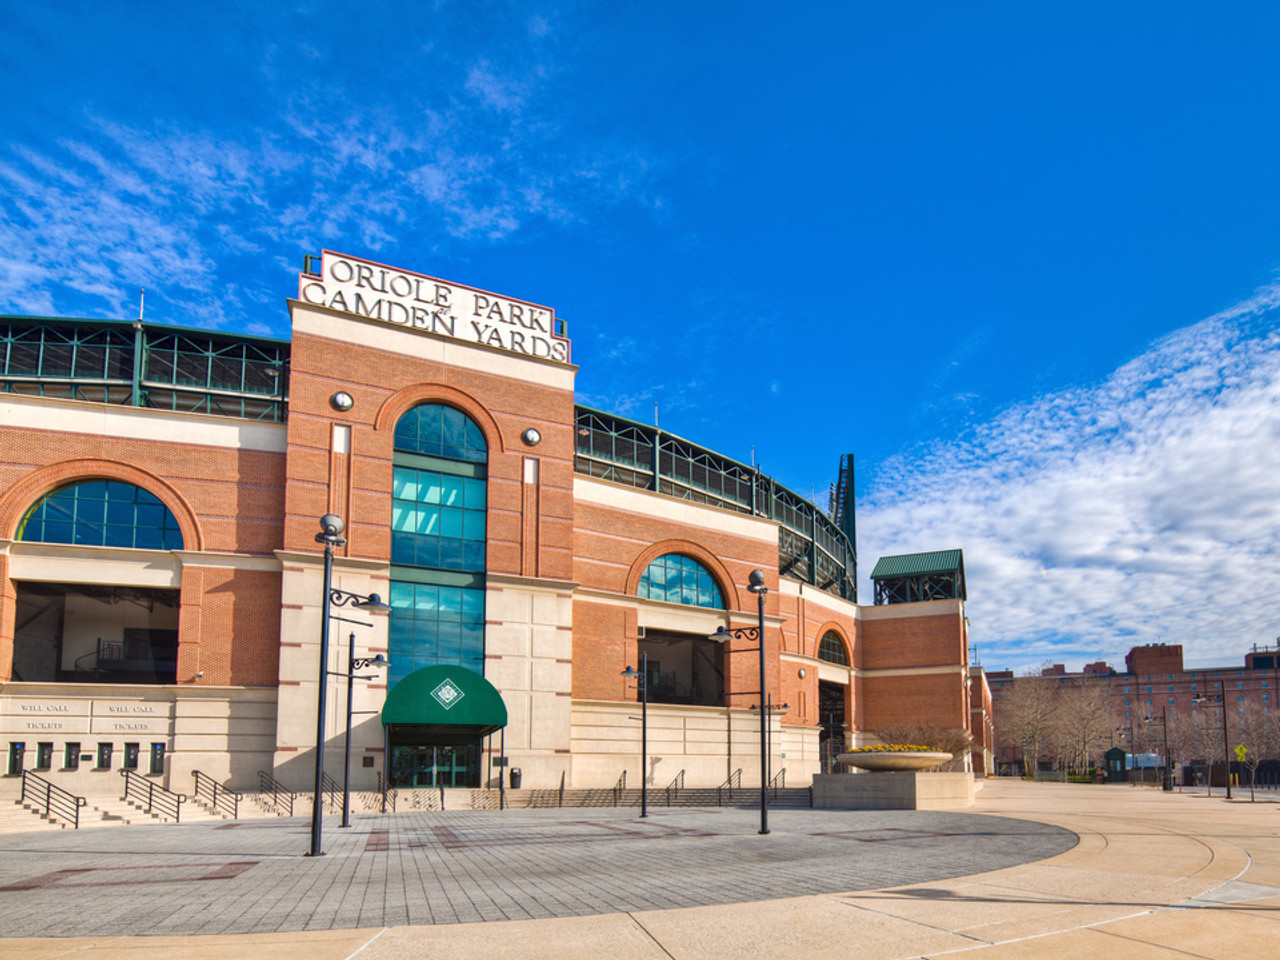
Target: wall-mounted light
(532, 437)
(342, 401)
(803, 673)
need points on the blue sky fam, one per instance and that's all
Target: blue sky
(1021, 261)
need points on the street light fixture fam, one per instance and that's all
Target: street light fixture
(331, 527)
(1221, 699)
(755, 585)
(354, 663)
(1165, 781)
(642, 683)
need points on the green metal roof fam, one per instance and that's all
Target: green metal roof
(918, 564)
(445, 695)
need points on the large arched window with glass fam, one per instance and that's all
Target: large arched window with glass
(675, 578)
(831, 649)
(102, 513)
(438, 510)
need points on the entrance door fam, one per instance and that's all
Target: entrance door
(831, 697)
(419, 764)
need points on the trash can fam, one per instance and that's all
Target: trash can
(516, 776)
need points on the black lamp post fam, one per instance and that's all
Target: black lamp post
(354, 663)
(330, 535)
(755, 585)
(1226, 748)
(642, 682)
(1166, 783)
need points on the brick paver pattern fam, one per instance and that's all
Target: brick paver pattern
(473, 866)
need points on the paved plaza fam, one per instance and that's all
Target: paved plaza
(473, 866)
(1035, 870)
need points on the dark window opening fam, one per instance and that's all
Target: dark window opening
(130, 756)
(44, 756)
(79, 633)
(683, 668)
(71, 757)
(17, 751)
(104, 756)
(157, 758)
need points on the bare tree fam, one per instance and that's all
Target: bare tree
(1259, 734)
(1082, 723)
(1028, 717)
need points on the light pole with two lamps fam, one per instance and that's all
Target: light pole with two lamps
(331, 527)
(755, 585)
(642, 683)
(1226, 746)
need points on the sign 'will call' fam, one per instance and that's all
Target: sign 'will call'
(419, 302)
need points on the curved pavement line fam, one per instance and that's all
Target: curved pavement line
(1156, 876)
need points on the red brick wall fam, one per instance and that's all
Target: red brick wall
(224, 499)
(936, 699)
(385, 385)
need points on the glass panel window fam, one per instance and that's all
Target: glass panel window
(675, 578)
(102, 513)
(130, 756)
(71, 757)
(104, 756)
(833, 650)
(434, 430)
(437, 520)
(432, 624)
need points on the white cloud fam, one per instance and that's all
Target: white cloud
(188, 213)
(1142, 509)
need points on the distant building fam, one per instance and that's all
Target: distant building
(1154, 680)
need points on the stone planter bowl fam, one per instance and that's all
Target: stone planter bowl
(896, 760)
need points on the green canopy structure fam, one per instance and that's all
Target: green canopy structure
(445, 696)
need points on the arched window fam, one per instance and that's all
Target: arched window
(679, 579)
(832, 649)
(102, 513)
(434, 430)
(439, 503)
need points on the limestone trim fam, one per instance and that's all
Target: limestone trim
(661, 610)
(872, 673)
(140, 423)
(354, 564)
(902, 611)
(18, 499)
(76, 563)
(831, 672)
(402, 401)
(647, 503)
(229, 561)
(838, 606)
(337, 326)
(530, 583)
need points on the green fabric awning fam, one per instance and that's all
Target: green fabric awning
(445, 696)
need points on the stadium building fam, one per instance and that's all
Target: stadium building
(162, 587)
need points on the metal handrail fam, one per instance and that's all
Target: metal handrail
(620, 788)
(560, 802)
(675, 786)
(157, 798)
(388, 793)
(779, 782)
(733, 783)
(57, 801)
(269, 784)
(207, 789)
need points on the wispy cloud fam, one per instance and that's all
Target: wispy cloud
(1143, 508)
(473, 153)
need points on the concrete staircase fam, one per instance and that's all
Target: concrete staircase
(18, 817)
